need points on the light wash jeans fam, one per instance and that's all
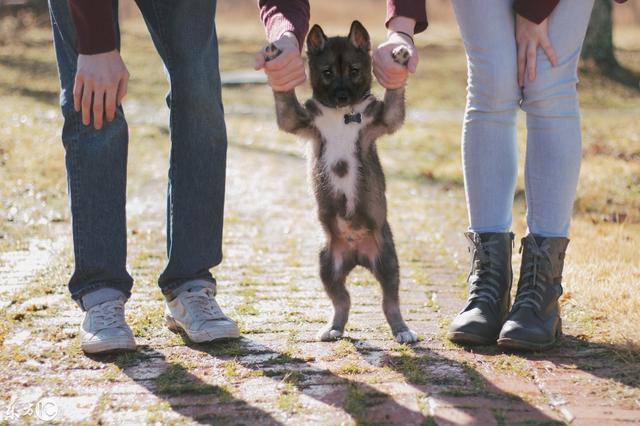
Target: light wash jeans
(184, 34)
(489, 148)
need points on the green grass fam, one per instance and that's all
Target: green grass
(246, 308)
(343, 348)
(147, 319)
(356, 402)
(288, 398)
(350, 368)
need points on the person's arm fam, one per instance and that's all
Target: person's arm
(413, 9)
(535, 10)
(101, 77)
(93, 20)
(286, 24)
(538, 10)
(281, 16)
(404, 19)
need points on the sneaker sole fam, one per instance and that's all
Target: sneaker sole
(115, 345)
(205, 337)
(469, 339)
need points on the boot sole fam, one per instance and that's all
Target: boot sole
(469, 339)
(523, 345)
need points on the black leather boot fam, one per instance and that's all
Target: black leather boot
(489, 286)
(534, 322)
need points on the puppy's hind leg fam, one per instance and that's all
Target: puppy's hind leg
(333, 273)
(387, 271)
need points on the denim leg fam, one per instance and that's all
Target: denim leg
(489, 146)
(185, 36)
(554, 141)
(96, 162)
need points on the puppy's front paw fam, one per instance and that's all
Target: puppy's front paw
(407, 336)
(401, 55)
(328, 334)
(271, 52)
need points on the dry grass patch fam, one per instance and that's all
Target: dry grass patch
(601, 276)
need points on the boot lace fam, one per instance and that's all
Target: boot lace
(485, 279)
(109, 315)
(534, 276)
(203, 305)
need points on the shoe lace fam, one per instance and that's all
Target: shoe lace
(203, 306)
(485, 275)
(109, 315)
(534, 275)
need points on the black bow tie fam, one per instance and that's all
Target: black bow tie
(352, 118)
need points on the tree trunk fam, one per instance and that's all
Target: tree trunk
(598, 45)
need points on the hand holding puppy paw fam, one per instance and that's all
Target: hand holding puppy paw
(389, 71)
(286, 70)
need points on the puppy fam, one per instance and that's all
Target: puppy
(342, 121)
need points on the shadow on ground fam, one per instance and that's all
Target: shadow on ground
(619, 363)
(366, 400)
(173, 383)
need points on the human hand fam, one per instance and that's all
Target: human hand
(529, 36)
(101, 80)
(389, 73)
(285, 71)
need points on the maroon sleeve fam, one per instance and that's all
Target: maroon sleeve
(538, 10)
(414, 9)
(535, 10)
(280, 16)
(93, 20)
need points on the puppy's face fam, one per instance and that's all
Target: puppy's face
(339, 67)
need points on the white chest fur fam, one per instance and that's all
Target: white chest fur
(340, 146)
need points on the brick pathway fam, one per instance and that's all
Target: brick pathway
(278, 373)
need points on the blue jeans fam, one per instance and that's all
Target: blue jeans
(489, 147)
(184, 35)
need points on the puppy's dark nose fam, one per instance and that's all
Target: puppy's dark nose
(342, 96)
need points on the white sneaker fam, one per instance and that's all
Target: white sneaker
(104, 329)
(200, 316)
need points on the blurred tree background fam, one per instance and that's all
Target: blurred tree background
(598, 50)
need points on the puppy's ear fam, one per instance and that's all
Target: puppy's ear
(316, 39)
(359, 36)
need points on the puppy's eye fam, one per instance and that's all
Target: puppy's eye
(327, 73)
(354, 72)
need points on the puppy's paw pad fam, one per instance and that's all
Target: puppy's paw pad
(329, 334)
(401, 55)
(271, 52)
(408, 336)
